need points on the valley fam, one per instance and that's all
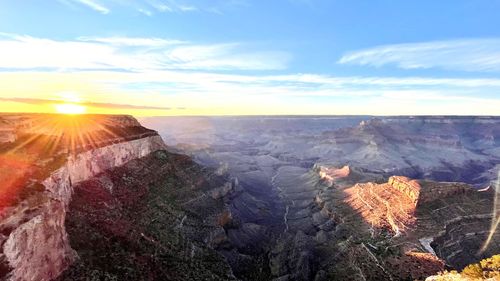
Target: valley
(303, 224)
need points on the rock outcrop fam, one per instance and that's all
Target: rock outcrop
(432, 191)
(410, 188)
(330, 174)
(414, 237)
(35, 243)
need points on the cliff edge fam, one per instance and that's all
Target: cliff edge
(44, 161)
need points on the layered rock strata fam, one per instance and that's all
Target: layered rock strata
(34, 241)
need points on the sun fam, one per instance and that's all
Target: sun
(70, 108)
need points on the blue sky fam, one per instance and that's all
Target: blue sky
(254, 57)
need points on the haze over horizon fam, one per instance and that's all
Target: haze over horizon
(242, 57)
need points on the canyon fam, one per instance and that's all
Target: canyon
(103, 197)
(76, 189)
(318, 198)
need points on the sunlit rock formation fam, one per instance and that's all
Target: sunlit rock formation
(45, 159)
(449, 221)
(330, 174)
(51, 156)
(383, 206)
(410, 188)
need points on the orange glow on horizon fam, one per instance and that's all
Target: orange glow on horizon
(46, 141)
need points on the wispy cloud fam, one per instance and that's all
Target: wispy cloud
(145, 12)
(153, 7)
(305, 85)
(26, 52)
(160, 6)
(225, 57)
(462, 55)
(93, 4)
(186, 8)
(133, 41)
(172, 6)
(250, 94)
(149, 71)
(92, 104)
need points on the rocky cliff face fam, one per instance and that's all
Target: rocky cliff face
(35, 243)
(159, 217)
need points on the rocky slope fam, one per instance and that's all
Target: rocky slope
(49, 167)
(442, 224)
(159, 217)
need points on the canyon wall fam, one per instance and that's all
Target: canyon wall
(34, 241)
(85, 165)
(158, 217)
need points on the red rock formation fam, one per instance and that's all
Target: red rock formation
(409, 187)
(382, 206)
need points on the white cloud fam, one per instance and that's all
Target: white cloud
(94, 5)
(145, 12)
(160, 6)
(186, 8)
(390, 81)
(187, 72)
(133, 41)
(26, 52)
(304, 85)
(152, 7)
(224, 56)
(172, 5)
(461, 54)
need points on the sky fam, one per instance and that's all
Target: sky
(251, 57)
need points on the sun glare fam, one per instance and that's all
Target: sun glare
(69, 108)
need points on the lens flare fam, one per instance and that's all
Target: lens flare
(495, 219)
